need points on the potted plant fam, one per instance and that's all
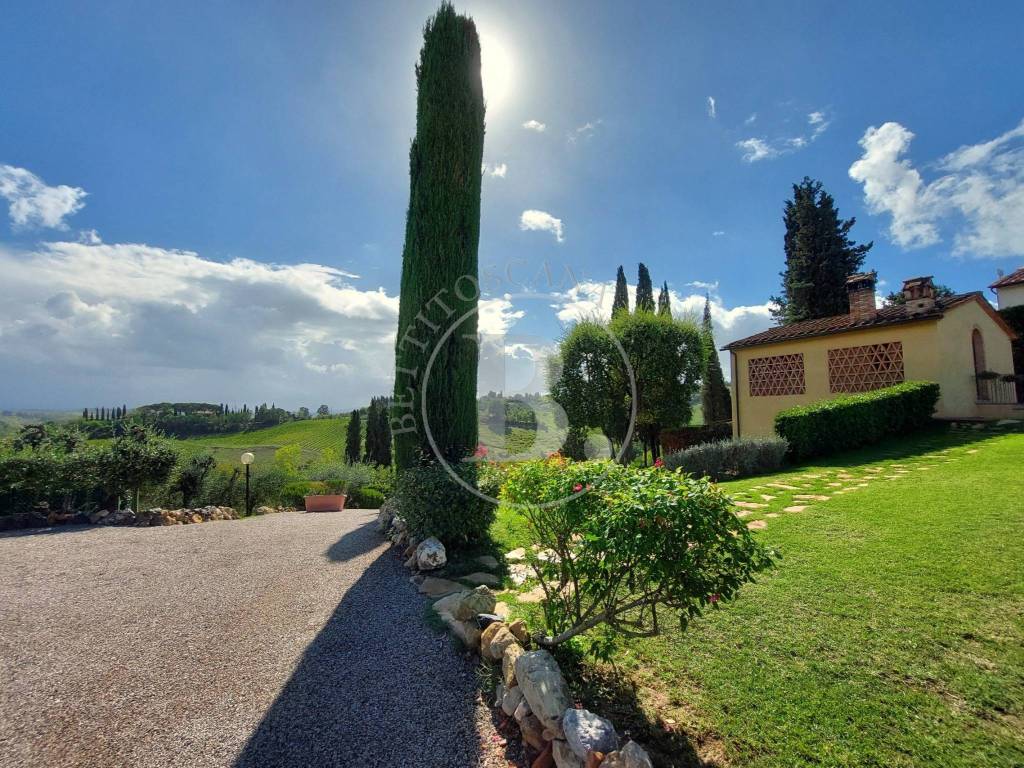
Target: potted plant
(331, 499)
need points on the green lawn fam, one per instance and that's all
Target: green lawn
(890, 634)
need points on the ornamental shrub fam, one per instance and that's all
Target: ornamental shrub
(730, 459)
(434, 504)
(622, 549)
(851, 421)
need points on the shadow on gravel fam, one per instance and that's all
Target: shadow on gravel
(18, 532)
(376, 687)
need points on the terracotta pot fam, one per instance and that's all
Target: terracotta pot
(326, 503)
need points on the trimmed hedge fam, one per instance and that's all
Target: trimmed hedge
(730, 459)
(851, 421)
(681, 438)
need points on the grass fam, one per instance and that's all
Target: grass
(313, 436)
(891, 633)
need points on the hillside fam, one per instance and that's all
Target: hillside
(313, 436)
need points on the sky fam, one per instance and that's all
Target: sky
(206, 201)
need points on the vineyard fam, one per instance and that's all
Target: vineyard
(313, 436)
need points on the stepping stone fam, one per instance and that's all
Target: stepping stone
(535, 595)
(757, 525)
(973, 450)
(501, 610)
(516, 555)
(873, 469)
(749, 505)
(767, 497)
(893, 477)
(836, 485)
(519, 573)
(487, 562)
(482, 578)
(772, 514)
(742, 514)
(796, 508)
(810, 497)
(784, 487)
(435, 587)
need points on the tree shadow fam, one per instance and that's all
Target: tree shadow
(376, 686)
(47, 531)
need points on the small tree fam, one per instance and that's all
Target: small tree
(352, 439)
(191, 476)
(644, 291)
(140, 457)
(664, 301)
(323, 412)
(715, 397)
(621, 301)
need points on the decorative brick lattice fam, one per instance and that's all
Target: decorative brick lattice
(860, 369)
(776, 375)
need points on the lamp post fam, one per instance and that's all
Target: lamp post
(247, 460)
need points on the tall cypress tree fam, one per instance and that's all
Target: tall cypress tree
(442, 235)
(644, 291)
(819, 256)
(715, 397)
(352, 439)
(664, 301)
(370, 454)
(621, 301)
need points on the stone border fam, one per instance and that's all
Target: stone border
(532, 690)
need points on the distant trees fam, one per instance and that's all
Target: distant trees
(302, 413)
(664, 301)
(621, 301)
(323, 412)
(896, 298)
(644, 291)
(716, 400)
(440, 269)
(378, 432)
(353, 439)
(819, 256)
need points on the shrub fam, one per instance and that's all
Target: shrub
(341, 477)
(629, 545)
(728, 459)
(366, 498)
(851, 421)
(681, 438)
(434, 504)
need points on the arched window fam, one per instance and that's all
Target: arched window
(978, 346)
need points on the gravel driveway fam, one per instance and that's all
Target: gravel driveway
(285, 640)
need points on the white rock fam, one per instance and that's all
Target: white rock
(513, 698)
(430, 555)
(522, 711)
(544, 687)
(499, 694)
(630, 756)
(564, 756)
(586, 732)
(516, 555)
(480, 600)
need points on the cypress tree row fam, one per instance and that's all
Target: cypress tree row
(664, 302)
(644, 291)
(439, 259)
(352, 439)
(621, 301)
(714, 393)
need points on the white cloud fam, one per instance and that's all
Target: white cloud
(756, 149)
(718, 233)
(978, 195)
(542, 221)
(709, 287)
(535, 125)
(86, 323)
(585, 131)
(751, 120)
(592, 299)
(32, 203)
(89, 237)
(712, 113)
(498, 170)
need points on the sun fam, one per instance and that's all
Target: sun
(496, 71)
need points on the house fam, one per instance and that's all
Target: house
(1009, 289)
(958, 341)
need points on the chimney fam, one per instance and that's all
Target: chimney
(919, 293)
(861, 290)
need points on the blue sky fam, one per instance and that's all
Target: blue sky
(215, 193)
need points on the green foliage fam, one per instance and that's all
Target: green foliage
(851, 421)
(138, 458)
(366, 498)
(611, 535)
(434, 504)
(288, 458)
(439, 258)
(896, 298)
(378, 432)
(1014, 317)
(681, 438)
(353, 439)
(341, 477)
(582, 379)
(664, 301)
(191, 476)
(621, 301)
(716, 400)
(819, 256)
(644, 290)
(730, 459)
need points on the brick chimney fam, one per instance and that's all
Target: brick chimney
(919, 293)
(861, 290)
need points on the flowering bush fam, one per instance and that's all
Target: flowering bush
(622, 546)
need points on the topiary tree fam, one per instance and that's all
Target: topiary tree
(621, 301)
(439, 259)
(716, 400)
(644, 290)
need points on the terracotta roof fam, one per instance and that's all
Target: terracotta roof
(1014, 278)
(824, 326)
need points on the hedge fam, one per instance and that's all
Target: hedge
(730, 459)
(681, 438)
(850, 421)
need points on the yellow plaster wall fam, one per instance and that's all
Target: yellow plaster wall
(933, 350)
(1010, 296)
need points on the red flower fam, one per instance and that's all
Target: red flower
(713, 598)
(659, 463)
(481, 450)
(577, 488)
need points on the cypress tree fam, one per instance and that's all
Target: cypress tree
(819, 256)
(372, 432)
(714, 393)
(440, 280)
(664, 302)
(352, 439)
(621, 300)
(644, 291)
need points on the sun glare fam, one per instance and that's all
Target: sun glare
(496, 71)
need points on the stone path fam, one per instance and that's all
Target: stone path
(286, 640)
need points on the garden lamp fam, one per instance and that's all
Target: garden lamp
(247, 459)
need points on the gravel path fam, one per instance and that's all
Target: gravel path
(285, 640)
